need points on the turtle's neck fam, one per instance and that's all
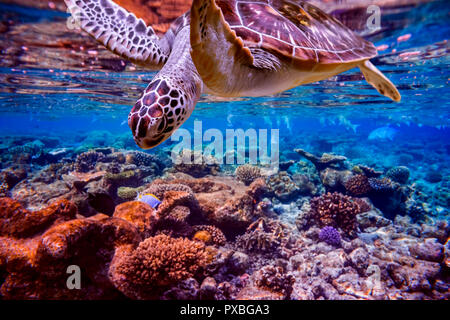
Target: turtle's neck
(180, 67)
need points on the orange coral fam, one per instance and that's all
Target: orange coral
(140, 214)
(16, 221)
(36, 263)
(209, 234)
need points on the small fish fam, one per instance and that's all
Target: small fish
(383, 133)
(149, 199)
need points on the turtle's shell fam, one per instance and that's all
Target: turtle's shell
(296, 30)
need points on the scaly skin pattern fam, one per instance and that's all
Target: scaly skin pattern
(120, 31)
(169, 99)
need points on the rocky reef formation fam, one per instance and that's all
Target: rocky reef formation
(324, 229)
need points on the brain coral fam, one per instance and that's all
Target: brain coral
(336, 210)
(158, 261)
(247, 173)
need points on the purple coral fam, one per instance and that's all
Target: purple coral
(330, 235)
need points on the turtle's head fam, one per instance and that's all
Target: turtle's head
(158, 113)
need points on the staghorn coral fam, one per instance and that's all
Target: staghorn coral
(247, 173)
(398, 174)
(330, 235)
(336, 210)
(86, 161)
(158, 261)
(209, 234)
(358, 186)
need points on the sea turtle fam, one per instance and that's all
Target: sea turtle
(226, 48)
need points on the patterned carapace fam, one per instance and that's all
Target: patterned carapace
(294, 29)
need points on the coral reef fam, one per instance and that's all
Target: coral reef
(247, 173)
(324, 229)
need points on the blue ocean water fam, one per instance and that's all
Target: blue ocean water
(52, 86)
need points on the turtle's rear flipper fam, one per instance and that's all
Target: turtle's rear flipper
(120, 31)
(379, 81)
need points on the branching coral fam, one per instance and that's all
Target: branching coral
(158, 261)
(247, 173)
(358, 185)
(336, 210)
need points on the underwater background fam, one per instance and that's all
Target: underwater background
(359, 208)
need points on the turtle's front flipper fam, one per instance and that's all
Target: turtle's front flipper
(379, 81)
(120, 31)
